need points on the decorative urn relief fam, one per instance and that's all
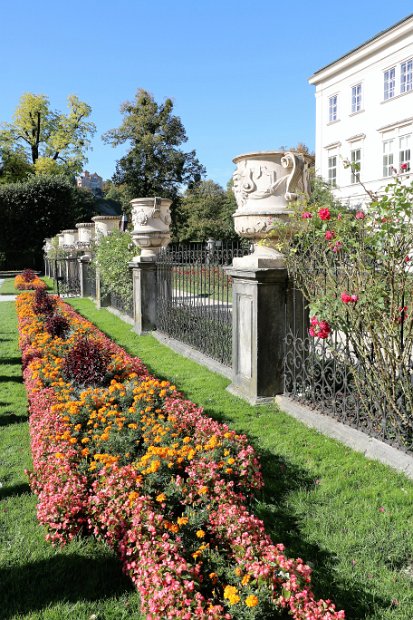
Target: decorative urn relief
(86, 235)
(105, 224)
(151, 219)
(265, 184)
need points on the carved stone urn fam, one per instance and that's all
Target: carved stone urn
(105, 224)
(151, 219)
(86, 235)
(265, 185)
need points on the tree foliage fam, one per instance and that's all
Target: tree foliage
(50, 141)
(155, 165)
(206, 211)
(35, 209)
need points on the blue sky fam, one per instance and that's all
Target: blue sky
(237, 70)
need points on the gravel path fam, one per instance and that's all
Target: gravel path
(6, 297)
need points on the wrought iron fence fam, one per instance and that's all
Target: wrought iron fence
(195, 296)
(66, 274)
(124, 305)
(330, 376)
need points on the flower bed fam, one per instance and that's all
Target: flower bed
(28, 280)
(123, 456)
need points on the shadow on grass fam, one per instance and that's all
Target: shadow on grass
(11, 379)
(281, 477)
(15, 491)
(10, 360)
(59, 579)
(11, 418)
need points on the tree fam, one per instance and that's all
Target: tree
(38, 208)
(154, 164)
(206, 211)
(50, 141)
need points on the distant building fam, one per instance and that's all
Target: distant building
(93, 182)
(364, 114)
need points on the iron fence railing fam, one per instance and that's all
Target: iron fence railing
(332, 376)
(194, 296)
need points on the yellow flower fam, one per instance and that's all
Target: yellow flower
(182, 520)
(161, 497)
(251, 601)
(200, 534)
(245, 579)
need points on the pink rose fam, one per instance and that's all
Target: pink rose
(306, 215)
(360, 215)
(345, 298)
(337, 247)
(329, 235)
(324, 214)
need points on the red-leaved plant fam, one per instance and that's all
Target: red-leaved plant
(44, 303)
(86, 363)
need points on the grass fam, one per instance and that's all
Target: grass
(349, 517)
(7, 288)
(38, 581)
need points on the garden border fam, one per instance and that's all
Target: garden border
(370, 447)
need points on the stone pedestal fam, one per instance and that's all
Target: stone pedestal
(259, 327)
(144, 294)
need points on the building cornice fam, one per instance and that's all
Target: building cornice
(405, 121)
(373, 45)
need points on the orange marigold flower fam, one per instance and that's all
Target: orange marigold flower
(251, 601)
(161, 497)
(200, 534)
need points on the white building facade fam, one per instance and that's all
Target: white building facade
(364, 115)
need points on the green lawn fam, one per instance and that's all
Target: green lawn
(37, 581)
(7, 288)
(349, 517)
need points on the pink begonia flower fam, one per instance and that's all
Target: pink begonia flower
(324, 214)
(329, 235)
(360, 215)
(306, 215)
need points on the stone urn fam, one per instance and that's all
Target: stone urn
(265, 185)
(151, 219)
(86, 235)
(69, 239)
(105, 224)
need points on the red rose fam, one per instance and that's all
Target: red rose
(329, 235)
(324, 214)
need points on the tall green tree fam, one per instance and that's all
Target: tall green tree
(154, 165)
(49, 141)
(206, 211)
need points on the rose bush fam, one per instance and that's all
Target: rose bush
(354, 270)
(128, 459)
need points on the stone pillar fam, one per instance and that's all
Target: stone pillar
(265, 185)
(102, 300)
(144, 295)
(151, 220)
(83, 261)
(258, 307)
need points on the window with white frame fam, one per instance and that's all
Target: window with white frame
(332, 109)
(404, 152)
(388, 156)
(355, 159)
(332, 170)
(356, 98)
(389, 83)
(406, 74)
